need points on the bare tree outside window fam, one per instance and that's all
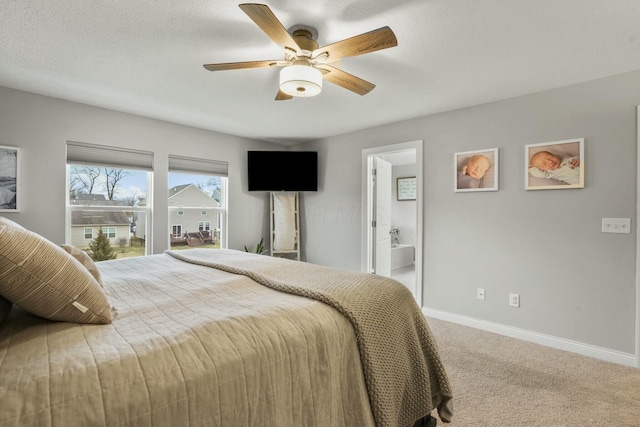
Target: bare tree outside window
(84, 180)
(211, 187)
(113, 176)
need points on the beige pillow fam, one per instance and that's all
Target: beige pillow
(85, 260)
(7, 221)
(43, 279)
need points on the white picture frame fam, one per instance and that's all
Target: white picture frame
(406, 188)
(463, 182)
(10, 197)
(556, 165)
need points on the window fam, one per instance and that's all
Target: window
(88, 233)
(176, 230)
(108, 189)
(197, 188)
(110, 232)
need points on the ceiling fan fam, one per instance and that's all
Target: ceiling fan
(305, 64)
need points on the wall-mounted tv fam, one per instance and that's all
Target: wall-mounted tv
(282, 170)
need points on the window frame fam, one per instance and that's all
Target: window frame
(210, 168)
(96, 155)
(84, 232)
(108, 232)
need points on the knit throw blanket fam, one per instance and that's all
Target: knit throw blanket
(404, 375)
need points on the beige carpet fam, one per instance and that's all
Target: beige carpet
(501, 381)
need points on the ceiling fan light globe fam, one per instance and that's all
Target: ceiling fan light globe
(300, 80)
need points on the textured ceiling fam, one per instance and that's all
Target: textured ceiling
(145, 57)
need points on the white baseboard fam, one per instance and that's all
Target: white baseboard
(538, 338)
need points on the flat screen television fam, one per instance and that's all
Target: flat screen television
(282, 170)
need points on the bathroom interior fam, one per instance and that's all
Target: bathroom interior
(403, 229)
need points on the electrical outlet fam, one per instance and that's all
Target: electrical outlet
(480, 294)
(514, 300)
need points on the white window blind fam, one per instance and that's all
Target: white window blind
(196, 165)
(100, 155)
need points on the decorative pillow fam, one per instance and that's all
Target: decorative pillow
(43, 279)
(7, 221)
(85, 260)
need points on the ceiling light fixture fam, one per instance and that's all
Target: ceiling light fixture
(300, 80)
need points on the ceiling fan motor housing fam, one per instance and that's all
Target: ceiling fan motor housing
(304, 37)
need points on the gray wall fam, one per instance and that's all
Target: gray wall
(574, 281)
(41, 126)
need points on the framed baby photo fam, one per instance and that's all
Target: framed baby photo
(476, 170)
(9, 179)
(557, 165)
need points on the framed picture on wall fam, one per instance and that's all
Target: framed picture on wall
(9, 179)
(555, 165)
(406, 188)
(476, 170)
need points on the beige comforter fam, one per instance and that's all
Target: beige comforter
(195, 346)
(402, 368)
(190, 346)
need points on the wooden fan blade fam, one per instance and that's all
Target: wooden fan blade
(281, 96)
(270, 24)
(346, 80)
(240, 65)
(379, 39)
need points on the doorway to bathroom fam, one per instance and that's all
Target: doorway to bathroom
(392, 213)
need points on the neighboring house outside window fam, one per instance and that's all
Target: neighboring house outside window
(186, 204)
(92, 212)
(192, 196)
(109, 189)
(104, 187)
(197, 188)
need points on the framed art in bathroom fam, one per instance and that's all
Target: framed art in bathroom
(9, 179)
(406, 188)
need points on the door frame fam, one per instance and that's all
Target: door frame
(637, 355)
(365, 240)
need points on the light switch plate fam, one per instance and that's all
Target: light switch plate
(616, 225)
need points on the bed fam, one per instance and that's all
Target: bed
(208, 337)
